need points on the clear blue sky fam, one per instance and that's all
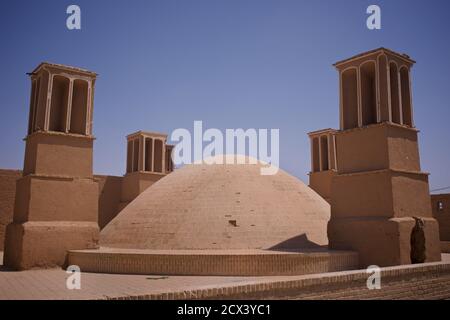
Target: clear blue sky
(231, 63)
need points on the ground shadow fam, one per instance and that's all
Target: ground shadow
(2, 267)
(298, 243)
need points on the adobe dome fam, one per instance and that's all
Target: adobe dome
(221, 206)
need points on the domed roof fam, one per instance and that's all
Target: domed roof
(221, 206)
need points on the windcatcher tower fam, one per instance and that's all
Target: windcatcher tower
(149, 158)
(56, 205)
(323, 161)
(380, 201)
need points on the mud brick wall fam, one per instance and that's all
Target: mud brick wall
(7, 194)
(109, 198)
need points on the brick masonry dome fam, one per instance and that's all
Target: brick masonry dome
(222, 206)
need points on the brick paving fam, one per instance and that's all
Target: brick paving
(51, 284)
(430, 281)
(416, 288)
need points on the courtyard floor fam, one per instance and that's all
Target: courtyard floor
(51, 284)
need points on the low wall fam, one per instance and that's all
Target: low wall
(108, 202)
(422, 281)
(442, 214)
(445, 246)
(212, 262)
(7, 194)
(110, 188)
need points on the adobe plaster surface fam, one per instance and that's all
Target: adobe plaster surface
(221, 206)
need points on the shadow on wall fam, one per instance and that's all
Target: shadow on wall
(109, 198)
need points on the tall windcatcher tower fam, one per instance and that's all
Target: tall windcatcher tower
(56, 205)
(380, 200)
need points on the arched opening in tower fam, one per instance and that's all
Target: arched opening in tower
(324, 152)
(158, 161)
(148, 154)
(130, 156)
(383, 88)
(406, 96)
(41, 102)
(315, 155)
(395, 95)
(350, 99)
(368, 93)
(59, 104)
(135, 155)
(79, 107)
(33, 103)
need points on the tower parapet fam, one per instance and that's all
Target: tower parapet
(375, 87)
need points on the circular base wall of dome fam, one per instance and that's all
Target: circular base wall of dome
(213, 262)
